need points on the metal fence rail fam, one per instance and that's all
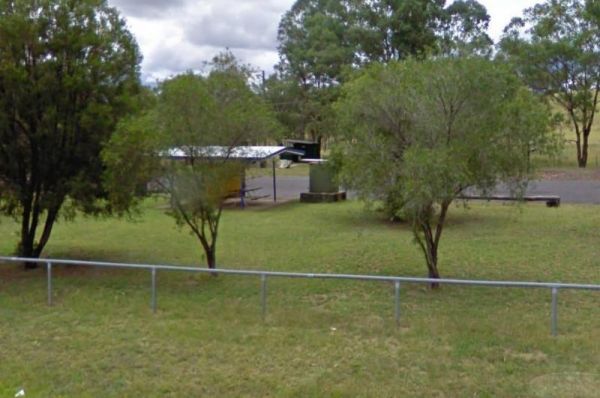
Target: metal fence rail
(554, 287)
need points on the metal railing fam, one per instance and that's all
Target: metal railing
(554, 287)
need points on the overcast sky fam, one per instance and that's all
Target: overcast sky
(179, 35)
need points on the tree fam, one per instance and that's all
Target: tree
(419, 133)
(303, 110)
(315, 48)
(185, 141)
(464, 30)
(555, 48)
(68, 70)
(321, 42)
(320, 39)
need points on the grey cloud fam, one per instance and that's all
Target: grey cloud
(247, 25)
(160, 61)
(147, 8)
(186, 33)
(168, 61)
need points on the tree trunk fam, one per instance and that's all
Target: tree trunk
(431, 240)
(578, 133)
(26, 250)
(432, 267)
(27, 247)
(48, 225)
(429, 246)
(211, 258)
(582, 150)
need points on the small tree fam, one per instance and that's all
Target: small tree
(419, 133)
(555, 48)
(68, 70)
(184, 142)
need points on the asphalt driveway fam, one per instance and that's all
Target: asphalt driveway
(576, 191)
(570, 191)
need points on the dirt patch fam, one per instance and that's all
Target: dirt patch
(15, 272)
(568, 384)
(535, 356)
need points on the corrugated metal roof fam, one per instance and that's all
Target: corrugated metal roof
(239, 152)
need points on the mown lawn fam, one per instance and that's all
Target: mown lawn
(320, 338)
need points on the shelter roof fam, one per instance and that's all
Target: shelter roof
(252, 153)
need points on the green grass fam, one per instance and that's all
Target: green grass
(321, 338)
(568, 156)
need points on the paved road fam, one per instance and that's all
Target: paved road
(287, 187)
(575, 191)
(571, 191)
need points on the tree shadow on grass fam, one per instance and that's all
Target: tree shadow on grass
(88, 254)
(374, 217)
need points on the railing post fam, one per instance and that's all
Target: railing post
(49, 276)
(263, 296)
(554, 320)
(153, 301)
(397, 302)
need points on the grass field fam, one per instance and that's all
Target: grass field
(320, 338)
(568, 156)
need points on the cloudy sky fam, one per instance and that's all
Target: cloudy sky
(179, 35)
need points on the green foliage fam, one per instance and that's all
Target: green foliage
(130, 156)
(464, 29)
(319, 39)
(419, 133)
(68, 71)
(203, 118)
(555, 49)
(302, 109)
(321, 42)
(314, 45)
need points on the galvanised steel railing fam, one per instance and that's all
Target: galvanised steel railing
(554, 287)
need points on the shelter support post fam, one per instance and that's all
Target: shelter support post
(274, 182)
